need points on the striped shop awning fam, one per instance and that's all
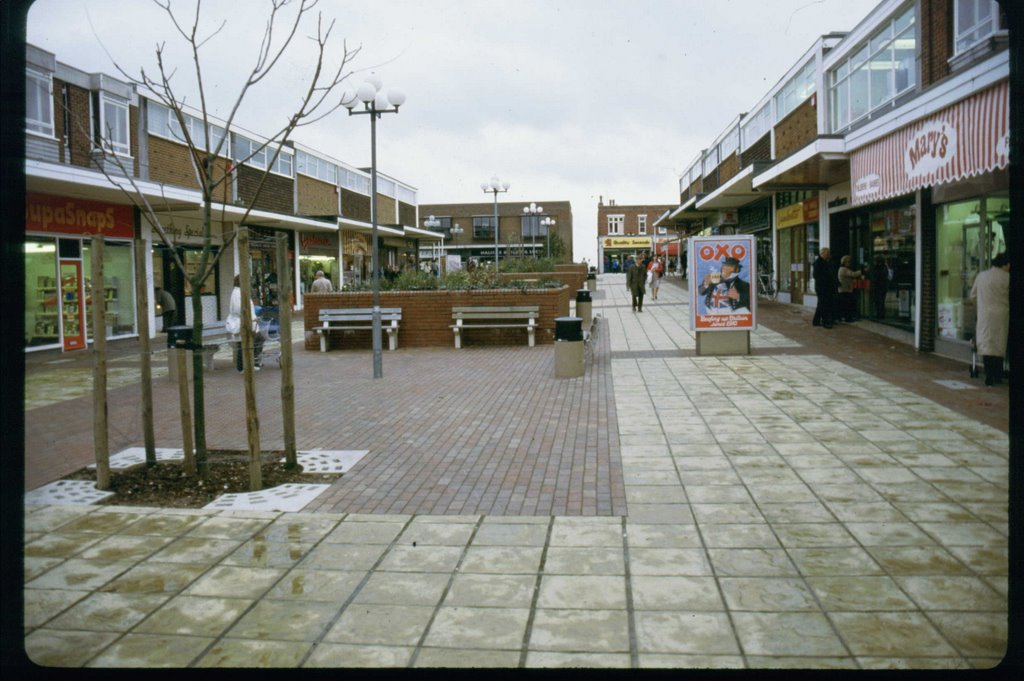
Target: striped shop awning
(965, 139)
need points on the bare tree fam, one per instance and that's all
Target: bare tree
(320, 95)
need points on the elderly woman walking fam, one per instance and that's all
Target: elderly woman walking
(991, 290)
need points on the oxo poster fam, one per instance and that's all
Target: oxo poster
(722, 283)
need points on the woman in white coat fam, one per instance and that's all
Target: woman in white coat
(233, 325)
(991, 290)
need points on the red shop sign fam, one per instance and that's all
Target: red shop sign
(46, 213)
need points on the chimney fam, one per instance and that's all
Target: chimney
(600, 200)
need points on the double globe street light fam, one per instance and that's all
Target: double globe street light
(375, 103)
(495, 186)
(548, 223)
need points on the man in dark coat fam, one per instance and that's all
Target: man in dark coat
(636, 280)
(827, 287)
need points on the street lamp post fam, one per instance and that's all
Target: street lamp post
(533, 210)
(433, 223)
(495, 186)
(375, 103)
(548, 224)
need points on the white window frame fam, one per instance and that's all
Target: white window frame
(727, 147)
(641, 224)
(36, 82)
(241, 149)
(796, 90)
(967, 37)
(616, 223)
(840, 77)
(101, 126)
(756, 126)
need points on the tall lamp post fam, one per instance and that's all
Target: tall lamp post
(433, 223)
(495, 186)
(375, 103)
(533, 210)
(548, 224)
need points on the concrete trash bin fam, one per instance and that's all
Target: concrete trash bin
(591, 281)
(584, 307)
(568, 347)
(179, 338)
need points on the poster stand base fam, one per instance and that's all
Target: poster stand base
(710, 343)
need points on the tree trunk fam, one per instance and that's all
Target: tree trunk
(198, 394)
(99, 374)
(284, 297)
(252, 421)
(145, 353)
(185, 411)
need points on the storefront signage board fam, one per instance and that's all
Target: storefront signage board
(627, 242)
(723, 299)
(61, 215)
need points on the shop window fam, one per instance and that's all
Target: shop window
(118, 298)
(969, 234)
(42, 301)
(893, 236)
(39, 102)
(110, 123)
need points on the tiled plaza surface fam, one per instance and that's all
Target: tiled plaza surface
(783, 509)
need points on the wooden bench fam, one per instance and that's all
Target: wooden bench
(495, 317)
(359, 319)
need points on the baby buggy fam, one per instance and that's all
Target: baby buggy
(270, 331)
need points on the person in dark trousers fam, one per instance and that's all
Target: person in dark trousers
(826, 285)
(636, 279)
(847, 294)
(879, 285)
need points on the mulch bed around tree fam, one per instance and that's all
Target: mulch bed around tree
(167, 486)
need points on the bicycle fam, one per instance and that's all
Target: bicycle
(766, 286)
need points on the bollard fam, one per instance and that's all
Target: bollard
(568, 347)
(591, 281)
(584, 308)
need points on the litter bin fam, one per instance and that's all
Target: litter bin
(179, 339)
(568, 347)
(584, 307)
(591, 281)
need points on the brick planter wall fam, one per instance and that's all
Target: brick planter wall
(427, 316)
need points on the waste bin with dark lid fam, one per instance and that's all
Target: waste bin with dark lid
(179, 337)
(591, 281)
(584, 307)
(568, 347)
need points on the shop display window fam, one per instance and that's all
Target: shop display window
(969, 234)
(42, 301)
(893, 236)
(119, 288)
(310, 264)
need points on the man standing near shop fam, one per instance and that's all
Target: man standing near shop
(168, 308)
(321, 284)
(826, 285)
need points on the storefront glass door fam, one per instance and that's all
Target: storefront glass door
(72, 310)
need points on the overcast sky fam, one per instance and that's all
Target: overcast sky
(564, 99)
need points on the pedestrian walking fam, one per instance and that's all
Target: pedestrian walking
(991, 290)
(654, 274)
(825, 285)
(847, 301)
(880, 276)
(321, 284)
(636, 277)
(233, 325)
(168, 308)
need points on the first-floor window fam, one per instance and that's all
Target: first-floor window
(975, 20)
(39, 102)
(615, 224)
(483, 227)
(641, 224)
(110, 123)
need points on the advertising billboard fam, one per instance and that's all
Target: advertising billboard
(722, 274)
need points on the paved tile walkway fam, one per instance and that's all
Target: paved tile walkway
(783, 509)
